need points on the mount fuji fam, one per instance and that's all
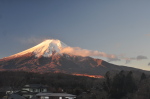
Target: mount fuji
(49, 57)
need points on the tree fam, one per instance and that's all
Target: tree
(143, 76)
(130, 85)
(107, 84)
(120, 86)
(118, 90)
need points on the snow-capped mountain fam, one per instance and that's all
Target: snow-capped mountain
(48, 57)
(46, 48)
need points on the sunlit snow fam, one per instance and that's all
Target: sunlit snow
(46, 48)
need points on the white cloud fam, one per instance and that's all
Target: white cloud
(85, 52)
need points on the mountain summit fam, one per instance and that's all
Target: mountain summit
(46, 48)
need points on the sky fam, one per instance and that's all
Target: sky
(119, 28)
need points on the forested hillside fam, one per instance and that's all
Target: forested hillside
(122, 85)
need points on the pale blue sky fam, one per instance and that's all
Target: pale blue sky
(120, 27)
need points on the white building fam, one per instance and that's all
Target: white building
(35, 88)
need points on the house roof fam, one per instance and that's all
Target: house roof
(56, 94)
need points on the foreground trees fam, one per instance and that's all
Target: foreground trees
(124, 85)
(118, 86)
(57, 82)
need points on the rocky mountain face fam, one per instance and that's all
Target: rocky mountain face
(60, 63)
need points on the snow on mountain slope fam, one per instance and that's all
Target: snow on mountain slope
(46, 48)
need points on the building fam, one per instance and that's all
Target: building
(55, 96)
(30, 90)
(37, 91)
(35, 88)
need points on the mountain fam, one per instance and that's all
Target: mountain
(47, 57)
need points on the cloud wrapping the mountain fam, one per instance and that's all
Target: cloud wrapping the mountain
(84, 52)
(110, 57)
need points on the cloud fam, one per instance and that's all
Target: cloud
(128, 60)
(113, 59)
(148, 64)
(84, 52)
(110, 57)
(141, 57)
